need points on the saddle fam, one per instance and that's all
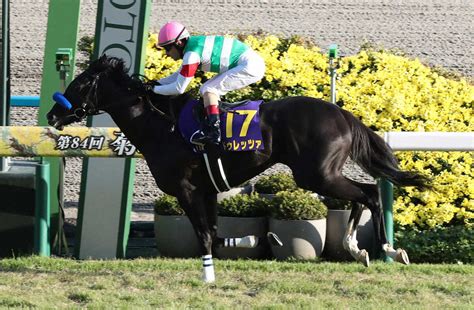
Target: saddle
(239, 121)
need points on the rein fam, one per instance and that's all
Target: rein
(149, 87)
(155, 109)
(90, 106)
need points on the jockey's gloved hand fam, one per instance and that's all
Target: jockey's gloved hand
(151, 84)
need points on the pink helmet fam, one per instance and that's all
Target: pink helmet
(172, 32)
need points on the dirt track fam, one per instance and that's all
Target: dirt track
(439, 32)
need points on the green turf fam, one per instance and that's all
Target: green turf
(151, 283)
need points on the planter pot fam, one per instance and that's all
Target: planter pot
(302, 239)
(234, 191)
(267, 196)
(336, 228)
(175, 236)
(271, 196)
(236, 227)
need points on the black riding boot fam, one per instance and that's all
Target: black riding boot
(211, 131)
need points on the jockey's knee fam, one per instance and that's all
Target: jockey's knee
(259, 71)
(210, 99)
(255, 68)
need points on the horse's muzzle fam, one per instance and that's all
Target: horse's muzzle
(54, 121)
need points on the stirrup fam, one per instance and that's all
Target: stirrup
(199, 138)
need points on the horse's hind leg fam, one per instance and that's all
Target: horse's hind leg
(373, 202)
(350, 237)
(320, 170)
(328, 180)
(337, 186)
(375, 206)
(398, 255)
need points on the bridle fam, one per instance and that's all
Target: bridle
(90, 105)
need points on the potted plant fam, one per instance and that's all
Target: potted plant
(245, 188)
(299, 219)
(174, 234)
(239, 216)
(337, 219)
(269, 185)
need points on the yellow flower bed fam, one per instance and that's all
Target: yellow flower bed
(388, 93)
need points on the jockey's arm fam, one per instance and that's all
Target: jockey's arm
(169, 79)
(184, 76)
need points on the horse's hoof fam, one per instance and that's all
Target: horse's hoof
(273, 239)
(402, 257)
(363, 257)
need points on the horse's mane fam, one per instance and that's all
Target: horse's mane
(110, 65)
(115, 68)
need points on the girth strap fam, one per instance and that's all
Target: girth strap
(216, 173)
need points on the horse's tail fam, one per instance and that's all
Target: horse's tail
(375, 156)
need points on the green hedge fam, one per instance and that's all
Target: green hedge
(243, 205)
(454, 244)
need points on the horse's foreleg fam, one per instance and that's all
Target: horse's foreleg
(194, 205)
(208, 274)
(350, 238)
(210, 201)
(243, 242)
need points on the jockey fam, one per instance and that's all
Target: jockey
(236, 65)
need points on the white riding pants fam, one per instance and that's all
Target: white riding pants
(250, 69)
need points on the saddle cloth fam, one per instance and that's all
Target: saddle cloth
(240, 126)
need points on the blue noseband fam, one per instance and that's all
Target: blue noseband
(59, 98)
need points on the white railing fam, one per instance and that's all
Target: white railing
(419, 141)
(430, 141)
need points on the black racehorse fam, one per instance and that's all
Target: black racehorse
(312, 137)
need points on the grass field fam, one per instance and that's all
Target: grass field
(166, 283)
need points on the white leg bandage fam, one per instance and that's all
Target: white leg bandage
(398, 255)
(244, 242)
(389, 250)
(350, 239)
(208, 269)
(350, 244)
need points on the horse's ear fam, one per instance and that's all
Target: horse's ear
(103, 57)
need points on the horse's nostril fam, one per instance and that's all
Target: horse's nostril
(51, 118)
